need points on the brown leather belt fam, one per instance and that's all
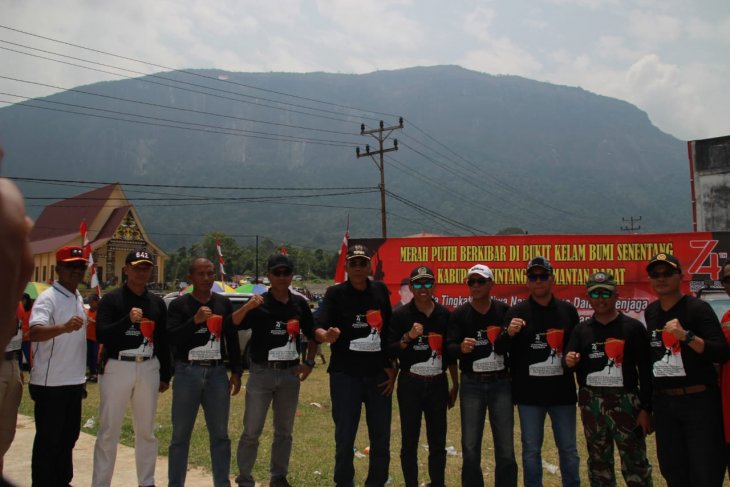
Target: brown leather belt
(425, 378)
(682, 391)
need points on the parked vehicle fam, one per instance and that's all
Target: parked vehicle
(717, 298)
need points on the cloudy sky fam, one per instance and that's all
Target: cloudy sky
(669, 57)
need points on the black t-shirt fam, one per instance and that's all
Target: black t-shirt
(276, 328)
(424, 355)
(613, 355)
(467, 322)
(675, 363)
(363, 318)
(536, 353)
(118, 334)
(201, 342)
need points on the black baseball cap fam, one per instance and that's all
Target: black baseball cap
(664, 258)
(358, 251)
(279, 260)
(539, 261)
(421, 272)
(141, 256)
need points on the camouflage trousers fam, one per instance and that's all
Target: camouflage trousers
(610, 417)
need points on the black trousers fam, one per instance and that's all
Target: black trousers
(416, 398)
(58, 423)
(689, 439)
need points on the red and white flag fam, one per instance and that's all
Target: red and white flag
(283, 250)
(340, 274)
(221, 261)
(88, 255)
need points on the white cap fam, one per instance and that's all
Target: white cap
(481, 270)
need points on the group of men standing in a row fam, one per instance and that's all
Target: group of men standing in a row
(631, 379)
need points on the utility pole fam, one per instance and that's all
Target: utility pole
(381, 134)
(631, 220)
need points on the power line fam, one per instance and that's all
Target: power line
(191, 73)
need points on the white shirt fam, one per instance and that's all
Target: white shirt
(60, 361)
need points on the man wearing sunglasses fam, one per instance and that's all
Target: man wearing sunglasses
(473, 335)
(539, 328)
(725, 369)
(610, 354)
(276, 319)
(416, 337)
(58, 375)
(354, 316)
(686, 341)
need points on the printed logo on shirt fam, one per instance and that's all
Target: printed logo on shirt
(612, 354)
(552, 365)
(485, 344)
(371, 342)
(667, 354)
(433, 365)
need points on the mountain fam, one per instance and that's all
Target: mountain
(486, 151)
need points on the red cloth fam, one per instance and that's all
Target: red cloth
(91, 325)
(725, 383)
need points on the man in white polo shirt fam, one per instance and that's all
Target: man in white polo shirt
(58, 336)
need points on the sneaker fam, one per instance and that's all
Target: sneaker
(282, 482)
(93, 379)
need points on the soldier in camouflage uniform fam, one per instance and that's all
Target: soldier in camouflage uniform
(610, 353)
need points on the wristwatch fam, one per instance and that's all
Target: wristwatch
(308, 363)
(689, 336)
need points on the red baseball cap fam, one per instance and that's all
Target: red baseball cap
(71, 253)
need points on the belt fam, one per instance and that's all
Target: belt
(11, 355)
(487, 377)
(133, 358)
(425, 378)
(682, 391)
(204, 363)
(280, 364)
(607, 390)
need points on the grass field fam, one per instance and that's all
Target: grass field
(313, 452)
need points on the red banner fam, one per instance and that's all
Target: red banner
(574, 258)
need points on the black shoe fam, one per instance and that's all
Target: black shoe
(282, 482)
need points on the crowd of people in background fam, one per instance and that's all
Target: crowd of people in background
(627, 380)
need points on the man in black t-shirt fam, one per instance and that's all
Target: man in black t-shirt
(417, 338)
(538, 329)
(199, 327)
(354, 319)
(276, 320)
(686, 341)
(610, 354)
(131, 324)
(473, 336)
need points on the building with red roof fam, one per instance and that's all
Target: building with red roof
(114, 229)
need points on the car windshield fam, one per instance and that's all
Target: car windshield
(720, 306)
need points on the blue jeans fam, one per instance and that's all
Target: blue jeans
(476, 397)
(532, 424)
(348, 394)
(280, 389)
(192, 387)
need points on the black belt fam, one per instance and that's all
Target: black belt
(279, 364)
(681, 391)
(487, 377)
(608, 390)
(204, 363)
(425, 378)
(11, 355)
(133, 358)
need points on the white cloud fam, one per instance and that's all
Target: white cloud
(654, 28)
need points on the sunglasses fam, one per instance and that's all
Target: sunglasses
(419, 285)
(474, 281)
(281, 272)
(600, 293)
(725, 280)
(659, 274)
(538, 277)
(358, 262)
